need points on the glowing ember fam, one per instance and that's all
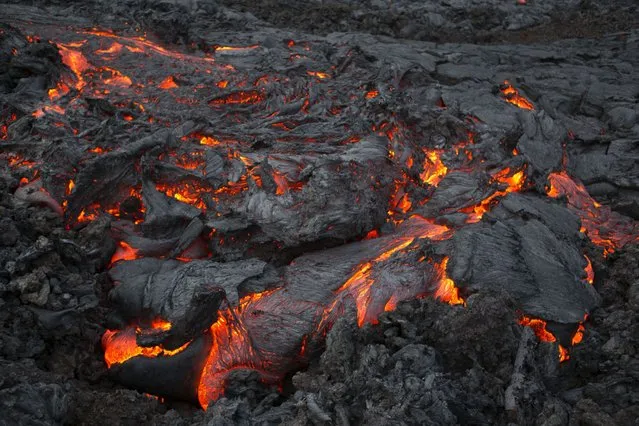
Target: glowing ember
(371, 94)
(318, 74)
(57, 92)
(250, 97)
(185, 192)
(235, 49)
(209, 141)
(512, 96)
(70, 187)
(85, 217)
(168, 83)
(579, 335)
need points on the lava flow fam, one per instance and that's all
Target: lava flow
(275, 191)
(604, 227)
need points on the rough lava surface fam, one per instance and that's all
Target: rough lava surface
(505, 136)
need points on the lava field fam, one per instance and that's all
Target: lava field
(348, 212)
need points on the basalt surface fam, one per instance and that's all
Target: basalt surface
(291, 220)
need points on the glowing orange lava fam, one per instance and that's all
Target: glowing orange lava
(76, 61)
(434, 169)
(248, 97)
(360, 285)
(235, 49)
(590, 273)
(447, 291)
(168, 83)
(539, 327)
(371, 94)
(124, 252)
(185, 192)
(512, 96)
(318, 74)
(605, 228)
(514, 183)
(120, 346)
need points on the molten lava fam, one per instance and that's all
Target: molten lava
(434, 169)
(590, 273)
(512, 96)
(168, 83)
(604, 227)
(447, 291)
(241, 97)
(120, 346)
(124, 252)
(514, 183)
(539, 327)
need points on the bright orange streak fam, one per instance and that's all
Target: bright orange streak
(447, 290)
(360, 284)
(235, 49)
(515, 183)
(318, 74)
(512, 96)
(161, 324)
(113, 49)
(140, 45)
(70, 187)
(249, 97)
(117, 78)
(590, 273)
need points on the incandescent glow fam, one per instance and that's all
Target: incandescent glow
(434, 168)
(120, 346)
(605, 228)
(512, 96)
(447, 291)
(318, 74)
(539, 327)
(241, 97)
(168, 83)
(124, 252)
(590, 273)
